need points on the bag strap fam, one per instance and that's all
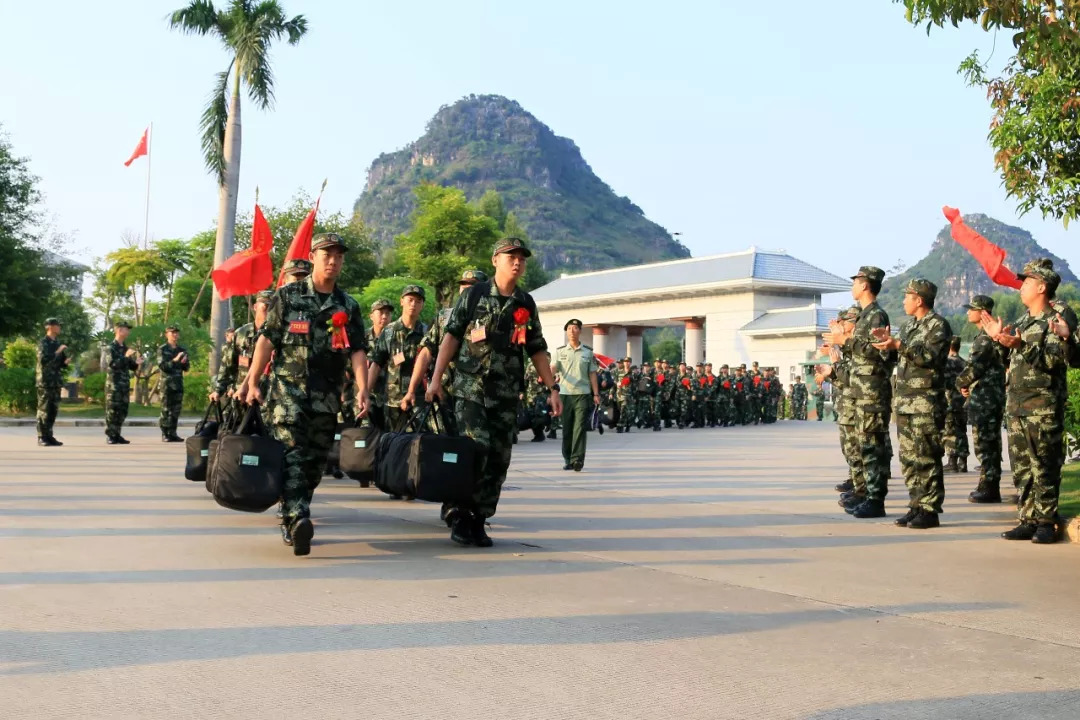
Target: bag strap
(252, 423)
(216, 407)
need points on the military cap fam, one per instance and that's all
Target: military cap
(742, 366)
(510, 244)
(296, 266)
(381, 304)
(328, 241)
(572, 321)
(172, 328)
(1043, 269)
(471, 277)
(851, 314)
(700, 365)
(870, 273)
(52, 321)
(414, 290)
(627, 359)
(980, 302)
(923, 288)
(122, 324)
(723, 366)
(265, 296)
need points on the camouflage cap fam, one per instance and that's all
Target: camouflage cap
(510, 244)
(980, 302)
(850, 314)
(724, 366)
(382, 304)
(870, 273)
(172, 328)
(230, 330)
(572, 321)
(52, 321)
(742, 366)
(923, 288)
(414, 290)
(626, 359)
(328, 241)
(265, 296)
(1043, 269)
(471, 277)
(121, 324)
(298, 266)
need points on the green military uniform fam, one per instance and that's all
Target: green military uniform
(954, 436)
(172, 386)
(118, 369)
(819, 402)
(666, 381)
(575, 366)
(984, 378)
(798, 400)
(740, 396)
(377, 390)
(536, 399)
(395, 353)
(839, 374)
(49, 379)
(920, 405)
(307, 373)
(723, 397)
(624, 396)
(647, 405)
(772, 391)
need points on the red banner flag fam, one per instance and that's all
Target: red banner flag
(986, 253)
(301, 244)
(141, 149)
(250, 271)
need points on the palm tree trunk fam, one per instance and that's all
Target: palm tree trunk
(221, 310)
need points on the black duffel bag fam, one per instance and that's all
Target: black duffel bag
(357, 454)
(524, 419)
(198, 445)
(333, 458)
(426, 465)
(246, 470)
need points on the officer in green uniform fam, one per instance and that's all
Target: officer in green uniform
(576, 367)
(52, 358)
(313, 329)
(492, 329)
(173, 361)
(120, 360)
(395, 354)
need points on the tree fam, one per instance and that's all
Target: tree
(535, 274)
(390, 289)
(491, 204)
(177, 255)
(131, 268)
(1035, 130)
(448, 236)
(247, 29)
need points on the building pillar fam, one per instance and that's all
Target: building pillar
(635, 348)
(601, 341)
(695, 341)
(617, 341)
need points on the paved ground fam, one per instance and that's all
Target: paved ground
(695, 574)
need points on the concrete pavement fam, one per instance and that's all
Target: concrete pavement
(685, 574)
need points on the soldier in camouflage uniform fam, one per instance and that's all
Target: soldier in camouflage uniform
(52, 358)
(492, 329)
(381, 314)
(313, 330)
(236, 356)
(296, 270)
(119, 362)
(647, 403)
(755, 396)
(772, 392)
(536, 400)
(740, 395)
(395, 354)
(723, 397)
(982, 382)
(920, 400)
(955, 435)
(798, 399)
(1039, 351)
(624, 396)
(710, 396)
(818, 394)
(173, 361)
(839, 374)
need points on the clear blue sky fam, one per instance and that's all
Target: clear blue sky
(835, 134)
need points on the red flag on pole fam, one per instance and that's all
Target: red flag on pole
(986, 253)
(140, 149)
(250, 271)
(301, 244)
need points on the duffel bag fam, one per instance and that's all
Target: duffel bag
(333, 458)
(357, 456)
(246, 472)
(197, 446)
(425, 465)
(524, 420)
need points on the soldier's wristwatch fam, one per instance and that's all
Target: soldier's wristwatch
(556, 387)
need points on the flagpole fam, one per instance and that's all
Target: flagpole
(149, 158)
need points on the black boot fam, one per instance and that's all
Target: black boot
(302, 530)
(950, 467)
(851, 503)
(551, 435)
(911, 513)
(846, 486)
(1023, 531)
(1045, 535)
(538, 436)
(461, 529)
(985, 494)
(479, 532)
(961, 465)
(870, 509)
(925, 520)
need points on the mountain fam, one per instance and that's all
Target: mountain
(483, 142)
(956, 273)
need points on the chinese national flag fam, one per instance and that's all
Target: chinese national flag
(301, 244)
(250, 271)
(989, 255)
(141, 149)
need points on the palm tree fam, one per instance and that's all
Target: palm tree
(246, 29)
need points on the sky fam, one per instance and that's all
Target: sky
(835, 131)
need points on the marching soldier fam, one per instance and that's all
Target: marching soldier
(576, 368)
(296, 270)
(741, 395)
(624, 396)
(52, 358)
(120, 361)
(236, 356)
(173, 361)
(983, 384)
(798, 399)
(395, 354)
(955, 434)
(647, 403)
(725, 406)
(381, 314)
(772, 392)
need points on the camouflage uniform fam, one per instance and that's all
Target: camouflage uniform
(773, 393)
(647, 401)
(305, 383)
(724, 407)
(955, 434)
(172, 386)
(49, 378)
(395, 353)
(624, 398)
(984, 377)
(117, 387)
(536, 399)
(232, 373)
(741, 398)
(798, 400)
(377, 392)
(819, 402)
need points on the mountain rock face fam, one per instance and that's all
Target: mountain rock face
(484, 142)
(956, 273)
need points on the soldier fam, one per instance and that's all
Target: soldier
(869, 391)
(173, 361)
(576, 367)
(624, 396)
(982, 382)
(839, 376)
(818, 394)
(755, 396)
(120, 360)
(798, 399)
(741, 395)
(395, 354)
(955, 435)
(491, 330)
(711, 404)
(920, 400)
(236, 357)
(725, 407)
(313, 330)
(52, 358)
(296, 270)
(1038, 353)
(772, 391)
(648, 393)
(535, 399)
(381, 314)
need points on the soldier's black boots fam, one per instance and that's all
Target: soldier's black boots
(461, 528)
(171, 438)
(1024, 531)
(870, 509)
(479, 532)
(961, 464)
(618, 430)
(576, 467)
(950, 467)
(567, 466)
(844, 487)
(1045, 535)
(302, 530)
(49, 441)
(851, 502)
(286, 535)
(985, 495)
(656, 428)
(924, 520)
(118, 440)
(911, 514)
(538, 436)
(551, 435)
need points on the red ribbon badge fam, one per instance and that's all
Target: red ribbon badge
(727, 384)
(660, 378)
(766, 384)
(625, 382)
(757, 380)
(686, 382)
(738, 386)
(339, 339)
(701, 381)
(521, 322)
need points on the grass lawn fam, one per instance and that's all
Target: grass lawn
(1070, 491)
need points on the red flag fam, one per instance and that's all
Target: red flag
(141, 149)
(604, 360)
(986, 253)
(301, 243)
(250, 271)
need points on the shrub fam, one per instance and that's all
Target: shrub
(20, 354)
(1072, 415)
(18, 393)
(93, 388)
(196, 388)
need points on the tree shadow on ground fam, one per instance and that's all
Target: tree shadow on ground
(1050, 705)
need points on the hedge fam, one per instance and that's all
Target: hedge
(18, 392)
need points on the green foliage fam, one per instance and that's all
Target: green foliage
(1035, 130)
(18, 394)
(670, 350)
(77, 331)
(196, 389)
(390, 289)
(1072, 415)
(131, 268)
(20, 353)
(93, 388)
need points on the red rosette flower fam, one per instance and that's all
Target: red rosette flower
(521, 323)
(701, 381)
(686, 383)
(339, 339)
(660, 378)
(625, 382)
(738, 386)
(766, 384)
(757, 380)
(727, 384)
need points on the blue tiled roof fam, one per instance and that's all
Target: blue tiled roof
(779, 321)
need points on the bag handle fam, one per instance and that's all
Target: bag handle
(216, 407)
(252, 423)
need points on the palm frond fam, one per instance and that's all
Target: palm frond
(212, 124)
(296, 29)
(198, 18)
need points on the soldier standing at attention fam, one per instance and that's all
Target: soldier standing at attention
(920, 400)
(648, 404)
(839, 375)
(120, 361)
(1036, 393)
(741, 395)
(576, 367)
(314, 329)
(869, 390)
(49, 375)
(492, 329)
(173, 362)
(955, 435)
(983, 384)
(819, 400)
(395, 354)
(798, 399)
